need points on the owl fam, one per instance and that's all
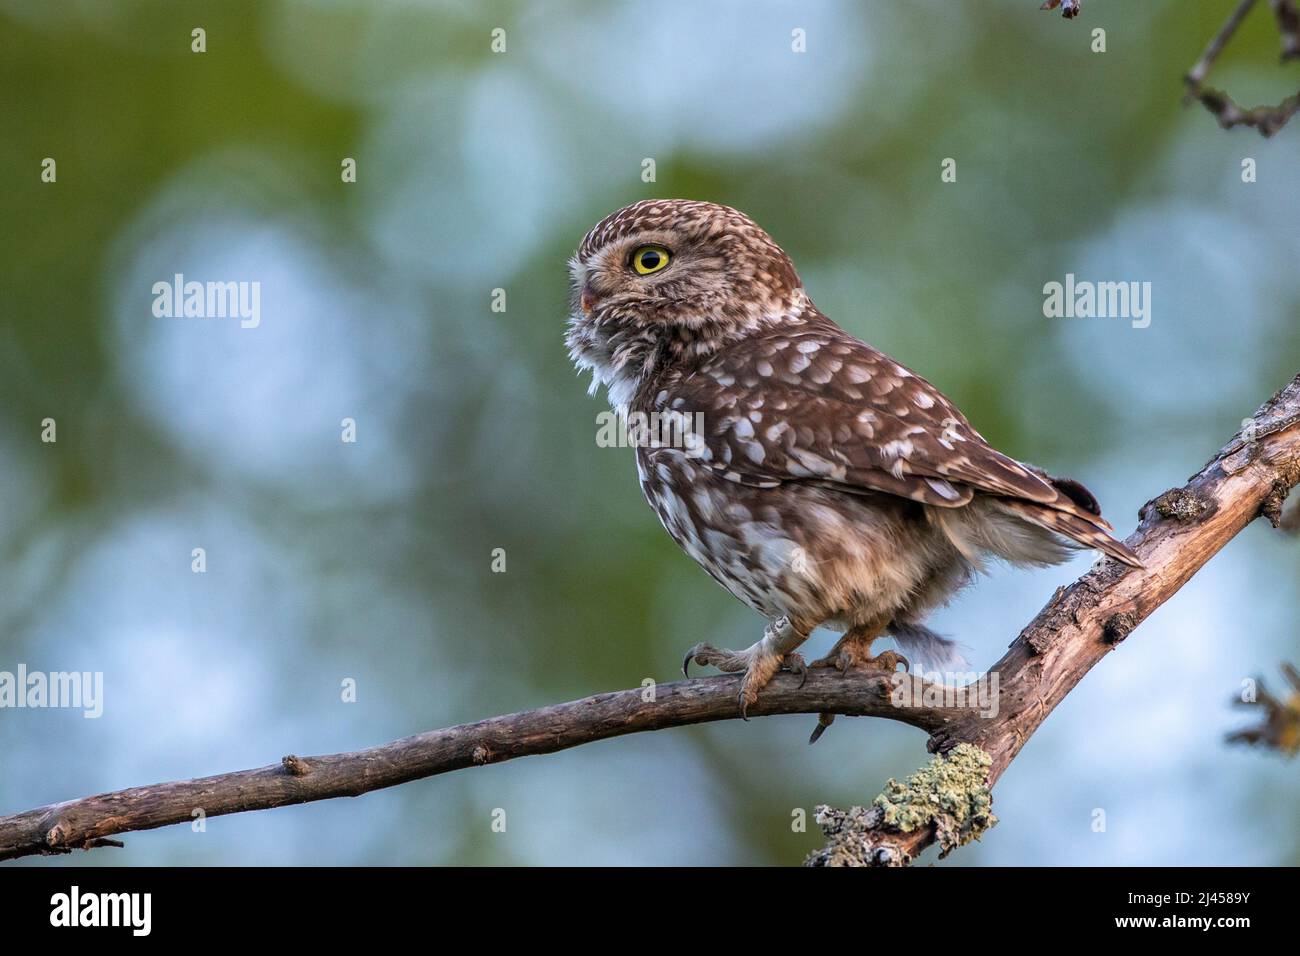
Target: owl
(815, 478)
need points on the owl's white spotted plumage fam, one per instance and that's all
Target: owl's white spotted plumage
(829, 485)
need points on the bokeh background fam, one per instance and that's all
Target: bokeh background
(481, 170)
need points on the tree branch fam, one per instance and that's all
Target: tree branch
(1196, 75)
(1179, 532)
(62, 827)
(1267, 119)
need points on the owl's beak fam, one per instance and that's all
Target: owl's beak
(588, 299)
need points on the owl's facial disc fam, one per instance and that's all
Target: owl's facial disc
(682, 264)
(676, 277)
(662, 274)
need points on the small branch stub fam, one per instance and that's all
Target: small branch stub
(1180, 504)
(295, 766)
(1272, 506)
(1118, 626)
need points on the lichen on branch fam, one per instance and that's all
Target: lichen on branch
(949, 794)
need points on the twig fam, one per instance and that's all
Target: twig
(1197, 73)
(1267, 119)
(1179, 532)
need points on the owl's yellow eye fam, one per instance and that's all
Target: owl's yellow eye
(650, 259)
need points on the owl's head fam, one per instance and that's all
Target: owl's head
(676, 275)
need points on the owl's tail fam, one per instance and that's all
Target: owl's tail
(1081, 530)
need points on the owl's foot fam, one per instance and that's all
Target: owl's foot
(759, 662)
(852, 660)
(852, 652)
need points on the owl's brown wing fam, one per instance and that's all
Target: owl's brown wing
(816, 404)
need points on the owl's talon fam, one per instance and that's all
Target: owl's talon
(706, 655)
(690, 656)
(759, 662)
(823, 721)
(846, 661)
(887, 661)
(852, 652)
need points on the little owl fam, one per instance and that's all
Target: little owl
(820, 481)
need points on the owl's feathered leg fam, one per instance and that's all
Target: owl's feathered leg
(760, 661)
(853, 652)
